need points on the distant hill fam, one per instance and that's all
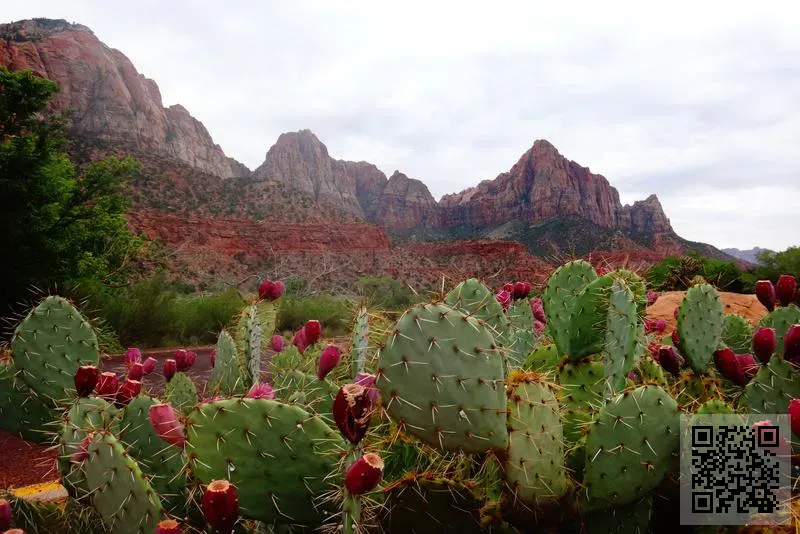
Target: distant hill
(749, 255)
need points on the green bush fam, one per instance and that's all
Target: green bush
(386, 293)
(675, 273)
(333, 312)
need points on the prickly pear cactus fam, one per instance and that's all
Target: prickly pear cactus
(588, 323)
(119, 490)
(620, 338)
(162, 462)
(251, 335)
(700, 322)
(181, 392)
(772, 388)
(306, 390)
(474, 298)
(542, 358)
(359, 343)
(632, 518)
(559, 296)
(279, 457)
(534, 466)
(49, 346)
(637, 286)
(580, 395)
(781, 319)
(225, 377)
(22, 412)
(629, 447)
(521, 340)
(737, 334)
(442, 379)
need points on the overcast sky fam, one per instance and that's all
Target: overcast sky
(698, 102)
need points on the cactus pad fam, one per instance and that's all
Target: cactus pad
(700, 322)
(181, 392)
(306, 390)
(781, 319)
(359, 342)
(250, 338)
(441, 379)
(278, 456)
(225, 377)
(474, 298)
(49, 346)
(737, 334)
(620, 338)
(542, 358)
(581, 394)
(587, 328)
(629, 446)
(22, 412)
(120, 492)
(772, 388)
(559, 296)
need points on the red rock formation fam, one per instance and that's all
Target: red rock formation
(110, 100)
(405, 204)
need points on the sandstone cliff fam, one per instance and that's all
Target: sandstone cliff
(110, 101)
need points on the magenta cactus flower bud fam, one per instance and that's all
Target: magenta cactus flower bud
(212, 358)
(364, 474)
(107, 385)
(265, 289)
(794, 416)
(765, 293)
(149, 365)
(277, 343)
(537, 308)
(368, 381)
(86, 379)
(136, 372)
(738, 368)
(82, 452)
(519, 291)
(168, 526)
(785, 289)
(6, 514)
(132, 355)
(300, 341)
(129, 390)
(261, 391)
(504, 298)
(278, 290)
(652, 297)
(764, 343)
(170, 368)
(220, 506)
(351, 412)
(313, 331)
(669, 359)
(166, 425)
(791, 345)
(328, 360)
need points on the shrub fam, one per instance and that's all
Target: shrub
(333, 312)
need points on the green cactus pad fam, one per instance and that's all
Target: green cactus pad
(474, 298)
(161, 461)
(521, 343)
(181, 392)
(250, 336)
(120, 491)
(737, 334)
(633, 518)
(441, 378)
(637, 286)
(542, 358)
(290, 359)
(781, 319)
(22, 411)
(359, 342)
(278, 456)
(772, 388)
(520, 315)
(49, 346)
(714, 407)
(581, 394)
(267, 313)
(534, 466)
(650, 371)
(700, 322)
(306, 390)
(629, 447)
(587, 330)
(620, 338)
(559, 296)
(225, 377)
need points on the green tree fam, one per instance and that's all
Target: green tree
(774, 264)
(60, 225)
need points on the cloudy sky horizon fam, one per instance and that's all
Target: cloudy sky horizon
(698, 103)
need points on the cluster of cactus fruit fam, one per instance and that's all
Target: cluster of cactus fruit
(484, 410)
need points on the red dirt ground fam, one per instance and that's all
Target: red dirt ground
(23, 463)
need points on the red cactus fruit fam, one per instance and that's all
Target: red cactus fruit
(269, 290)
(669, 359)
(6, 514)
(508, 286)
(764, 342)
(791, 345)
(107, 385)
(765, 293)
(185, 359)
(212, 357)
(82, 452)
(168, 526)
(738, 368)
(504, 298)
(785, 289)
(652, 297)
(132, 355)
(166, 425)
(528, 287)
(364, 474)
(170, 368)
(221, 506)
(519, 291)
(300, 341)
(328, 360)
(261, 391)
(136, 372)
(149, 365)
(537, 308)
(748, 365)
(794, 416)
(538, 327)
(86, 379)
(313, 330)
(654, 326)
(351, 411)
(368, 381)
(128, 391)
(277, 343)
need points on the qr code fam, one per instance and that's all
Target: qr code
(735, 469)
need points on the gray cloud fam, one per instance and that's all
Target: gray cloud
(698, 104)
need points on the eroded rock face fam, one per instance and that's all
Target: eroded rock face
(405, 204)
(109, 99)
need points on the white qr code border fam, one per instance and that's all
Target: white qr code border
(735, 469)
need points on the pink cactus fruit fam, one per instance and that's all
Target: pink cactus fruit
(132, 355)
(765, 293)
(364, 474)
(328, 360)
(504, 298)
(277, 343)
(107, 385)
(149, 365)
(170, 368)
(652, 297)
(368, 381)
(537, 308)
(166, 425)
(129, 390)
(785, 289)
(300, 341)
(764, 343)
(313, 331)
(136, 372)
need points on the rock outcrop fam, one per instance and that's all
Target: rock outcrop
(109, 100)
(405, 204)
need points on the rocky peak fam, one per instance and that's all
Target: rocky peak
(406, 204)
(645, 217)
(109, 99)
